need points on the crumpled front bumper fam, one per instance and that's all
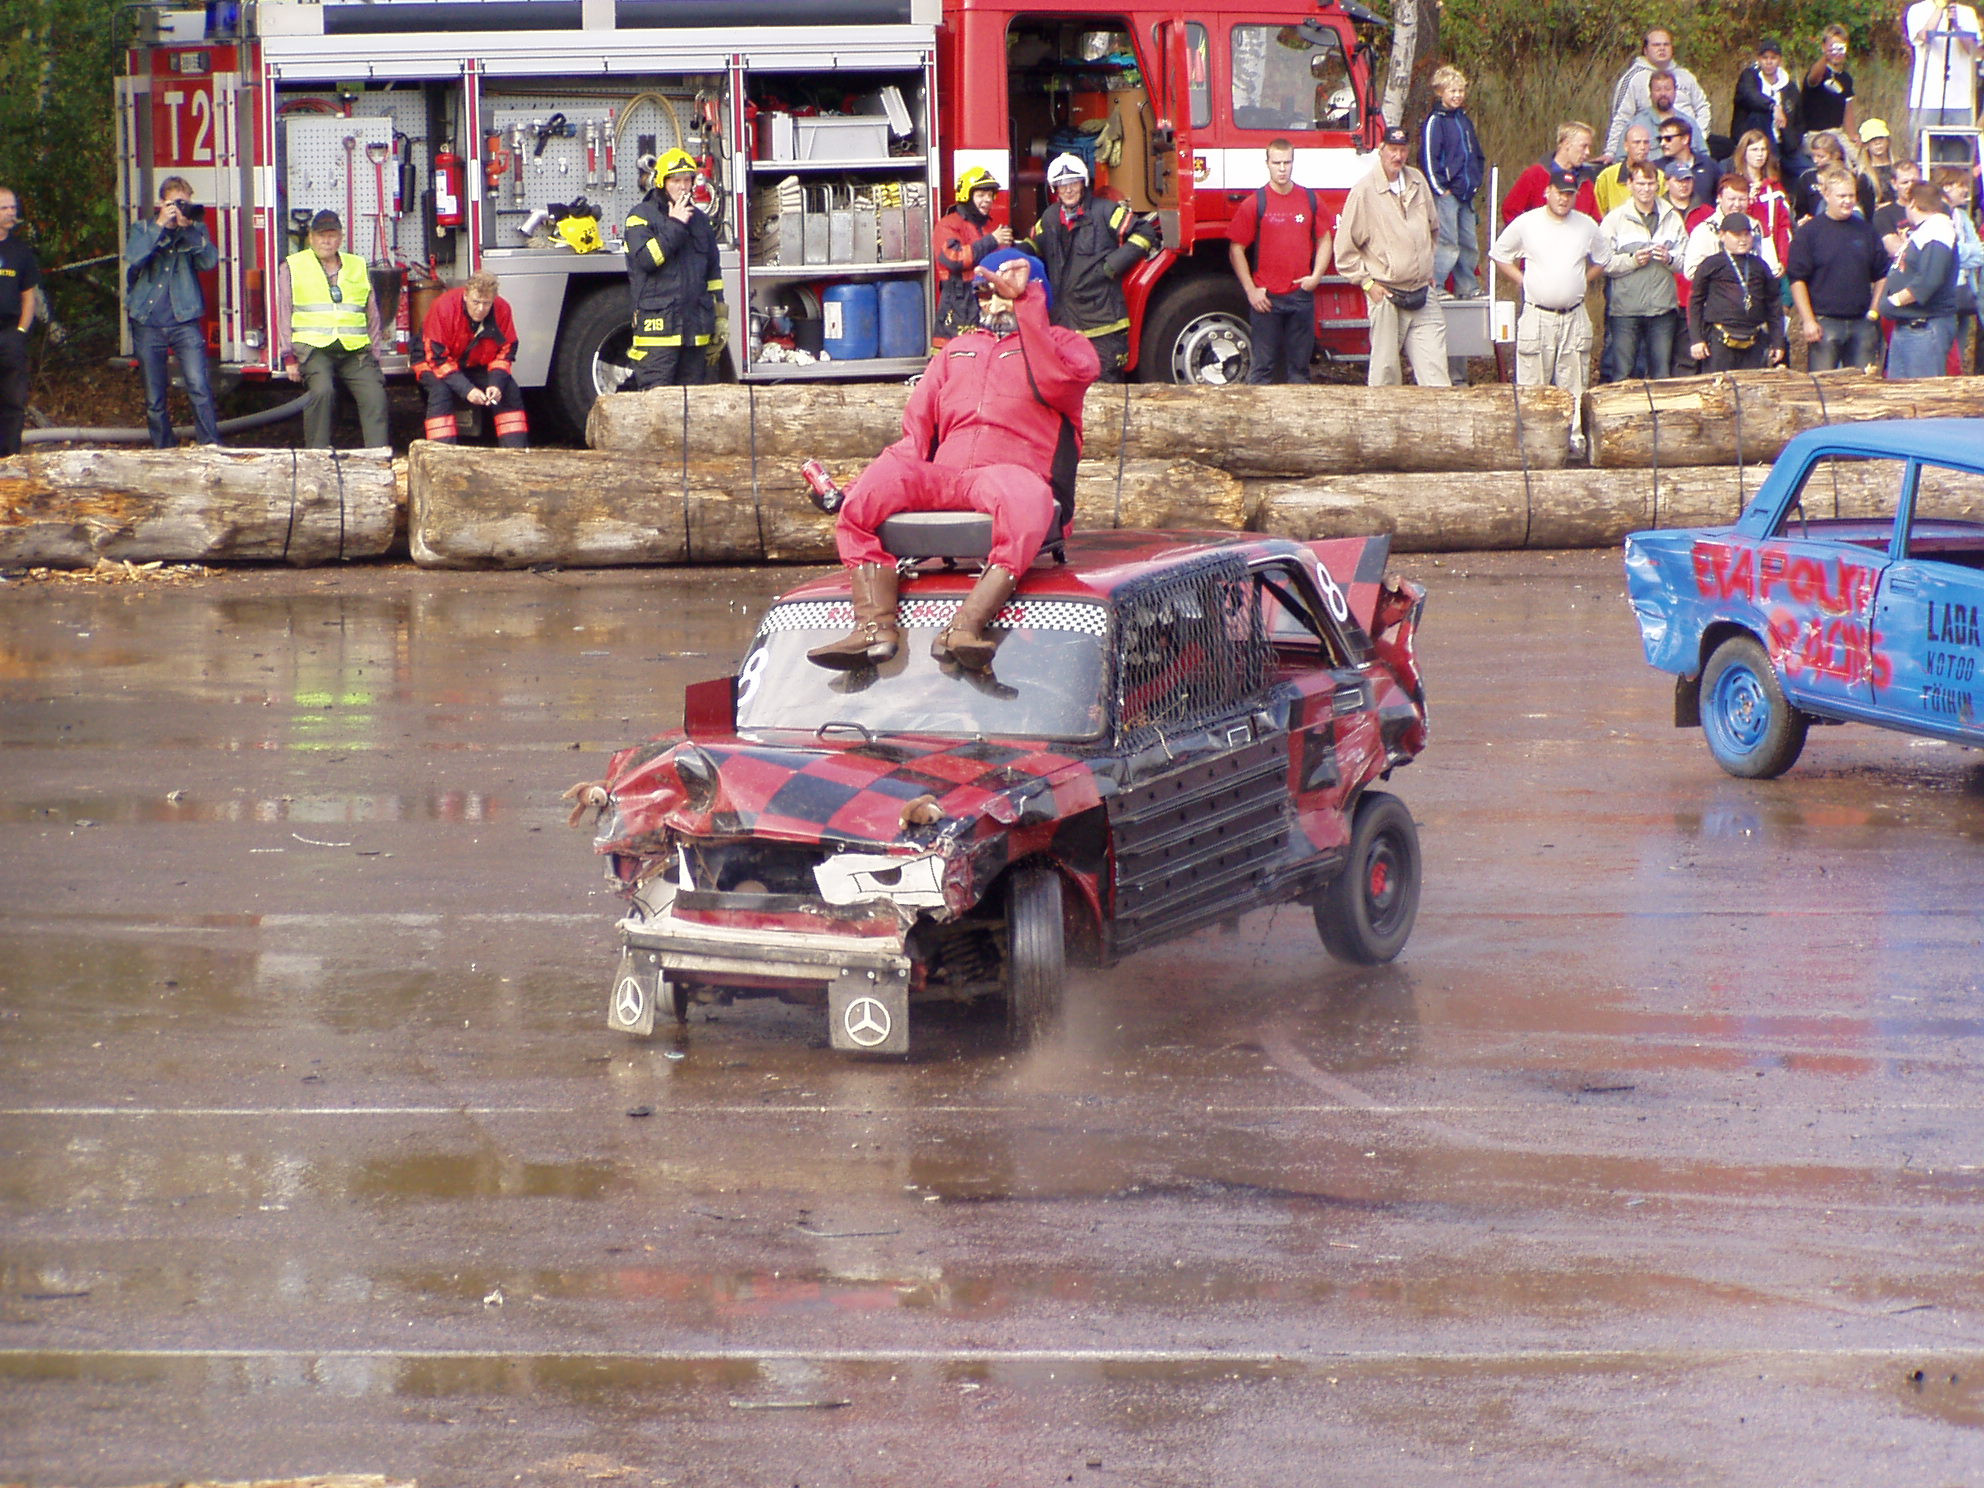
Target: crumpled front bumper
(866, 976)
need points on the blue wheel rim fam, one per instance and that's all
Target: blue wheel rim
(1741, 709)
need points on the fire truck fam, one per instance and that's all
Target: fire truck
(457, 135)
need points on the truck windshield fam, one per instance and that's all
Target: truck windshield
(1291, 77)
(1046, 680)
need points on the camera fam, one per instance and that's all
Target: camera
(193, 211)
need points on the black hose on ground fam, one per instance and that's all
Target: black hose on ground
(267, 416)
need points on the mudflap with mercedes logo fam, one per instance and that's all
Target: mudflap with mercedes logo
(868, 1012)
(639, 991)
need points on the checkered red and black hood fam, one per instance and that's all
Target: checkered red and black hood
(830, 794)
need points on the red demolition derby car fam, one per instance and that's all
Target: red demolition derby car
(1176, 728)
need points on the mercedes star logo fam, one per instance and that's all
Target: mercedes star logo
(628, 1000)
(866, 1022)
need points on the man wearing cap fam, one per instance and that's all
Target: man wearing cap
(1088, 244)
(1645, 238)
(994, 426)
(1836, 269)
(1554, 254)
(674, 278)
(1633, 90)
(1384, 243)
(1942, 87)
(1735, 319)
(330, 330)
(1286, 228)
(1732, 194)
(1768, 100)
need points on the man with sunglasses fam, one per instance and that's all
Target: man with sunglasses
(330, 331)
(1676, 155)
(994, 426)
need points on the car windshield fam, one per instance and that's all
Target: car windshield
(1046, 680)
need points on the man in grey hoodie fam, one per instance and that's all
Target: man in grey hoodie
(1629, 93)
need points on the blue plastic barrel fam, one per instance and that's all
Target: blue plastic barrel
(851, 312)
(902, 318)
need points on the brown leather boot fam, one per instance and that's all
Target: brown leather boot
(876, 636)
(964, 640)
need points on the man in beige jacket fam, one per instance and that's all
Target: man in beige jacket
(1384, 242)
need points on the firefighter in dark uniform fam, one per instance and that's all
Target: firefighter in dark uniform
(468, 348)
(965, 236)
(1088, 245)
(675, 279)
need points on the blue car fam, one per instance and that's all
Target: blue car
(1850, 590)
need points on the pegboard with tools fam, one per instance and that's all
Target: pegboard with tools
(556, 148)
(347, 166)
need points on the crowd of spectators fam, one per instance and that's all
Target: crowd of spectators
(1801, 220)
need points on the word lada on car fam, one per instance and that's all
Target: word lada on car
(1175, 729)
(1849, 591)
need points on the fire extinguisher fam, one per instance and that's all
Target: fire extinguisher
(447, 186)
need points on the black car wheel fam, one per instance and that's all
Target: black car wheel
(1036, 953)
(1752, 730)
(591, 359)
(1366, 914)
(1199, 335)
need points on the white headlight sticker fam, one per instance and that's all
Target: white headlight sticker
(914, 883)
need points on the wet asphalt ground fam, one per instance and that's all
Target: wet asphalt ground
(1657, 1158)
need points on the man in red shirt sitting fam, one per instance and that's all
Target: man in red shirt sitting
(1289, 232)
(468, 344)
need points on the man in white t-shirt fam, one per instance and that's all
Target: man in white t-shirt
(1553, 254)
(1942, 90)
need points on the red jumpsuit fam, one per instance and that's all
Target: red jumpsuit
(459, 354)
(976, 436)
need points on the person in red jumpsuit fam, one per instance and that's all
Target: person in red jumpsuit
(994, 426)
(468, 344)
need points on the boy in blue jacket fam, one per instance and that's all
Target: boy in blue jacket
(1450, 152)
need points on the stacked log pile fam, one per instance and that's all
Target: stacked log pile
(67, 508)
(673, 479)
(1686, 452)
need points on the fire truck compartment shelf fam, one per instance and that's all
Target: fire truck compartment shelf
(836, 271)
(866, 367)
(793, 167)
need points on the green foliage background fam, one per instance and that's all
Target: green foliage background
(58, 62)
(1483, 34)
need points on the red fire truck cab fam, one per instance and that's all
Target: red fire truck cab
(456, 135)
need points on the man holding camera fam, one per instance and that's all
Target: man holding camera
(163, 261)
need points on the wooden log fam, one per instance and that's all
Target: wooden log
(473, 507)
(1694, 420)
(66, 508)
(1247, 431)
(1500, 509)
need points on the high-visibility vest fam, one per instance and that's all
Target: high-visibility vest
(315, 318)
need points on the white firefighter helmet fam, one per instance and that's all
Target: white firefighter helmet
(1068, 167)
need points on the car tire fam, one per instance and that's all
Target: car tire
(1198, 335)
(1036, 953)
(1367, 913)
(1752, 729)
(591, 359)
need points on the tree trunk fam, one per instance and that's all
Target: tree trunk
(1415, 101)
(1406, 18)
(67, 508)
(1552, 509)
(1695, 420)
(473, 507)
(1267, 432)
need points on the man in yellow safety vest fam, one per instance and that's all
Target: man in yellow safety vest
(331, 331)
